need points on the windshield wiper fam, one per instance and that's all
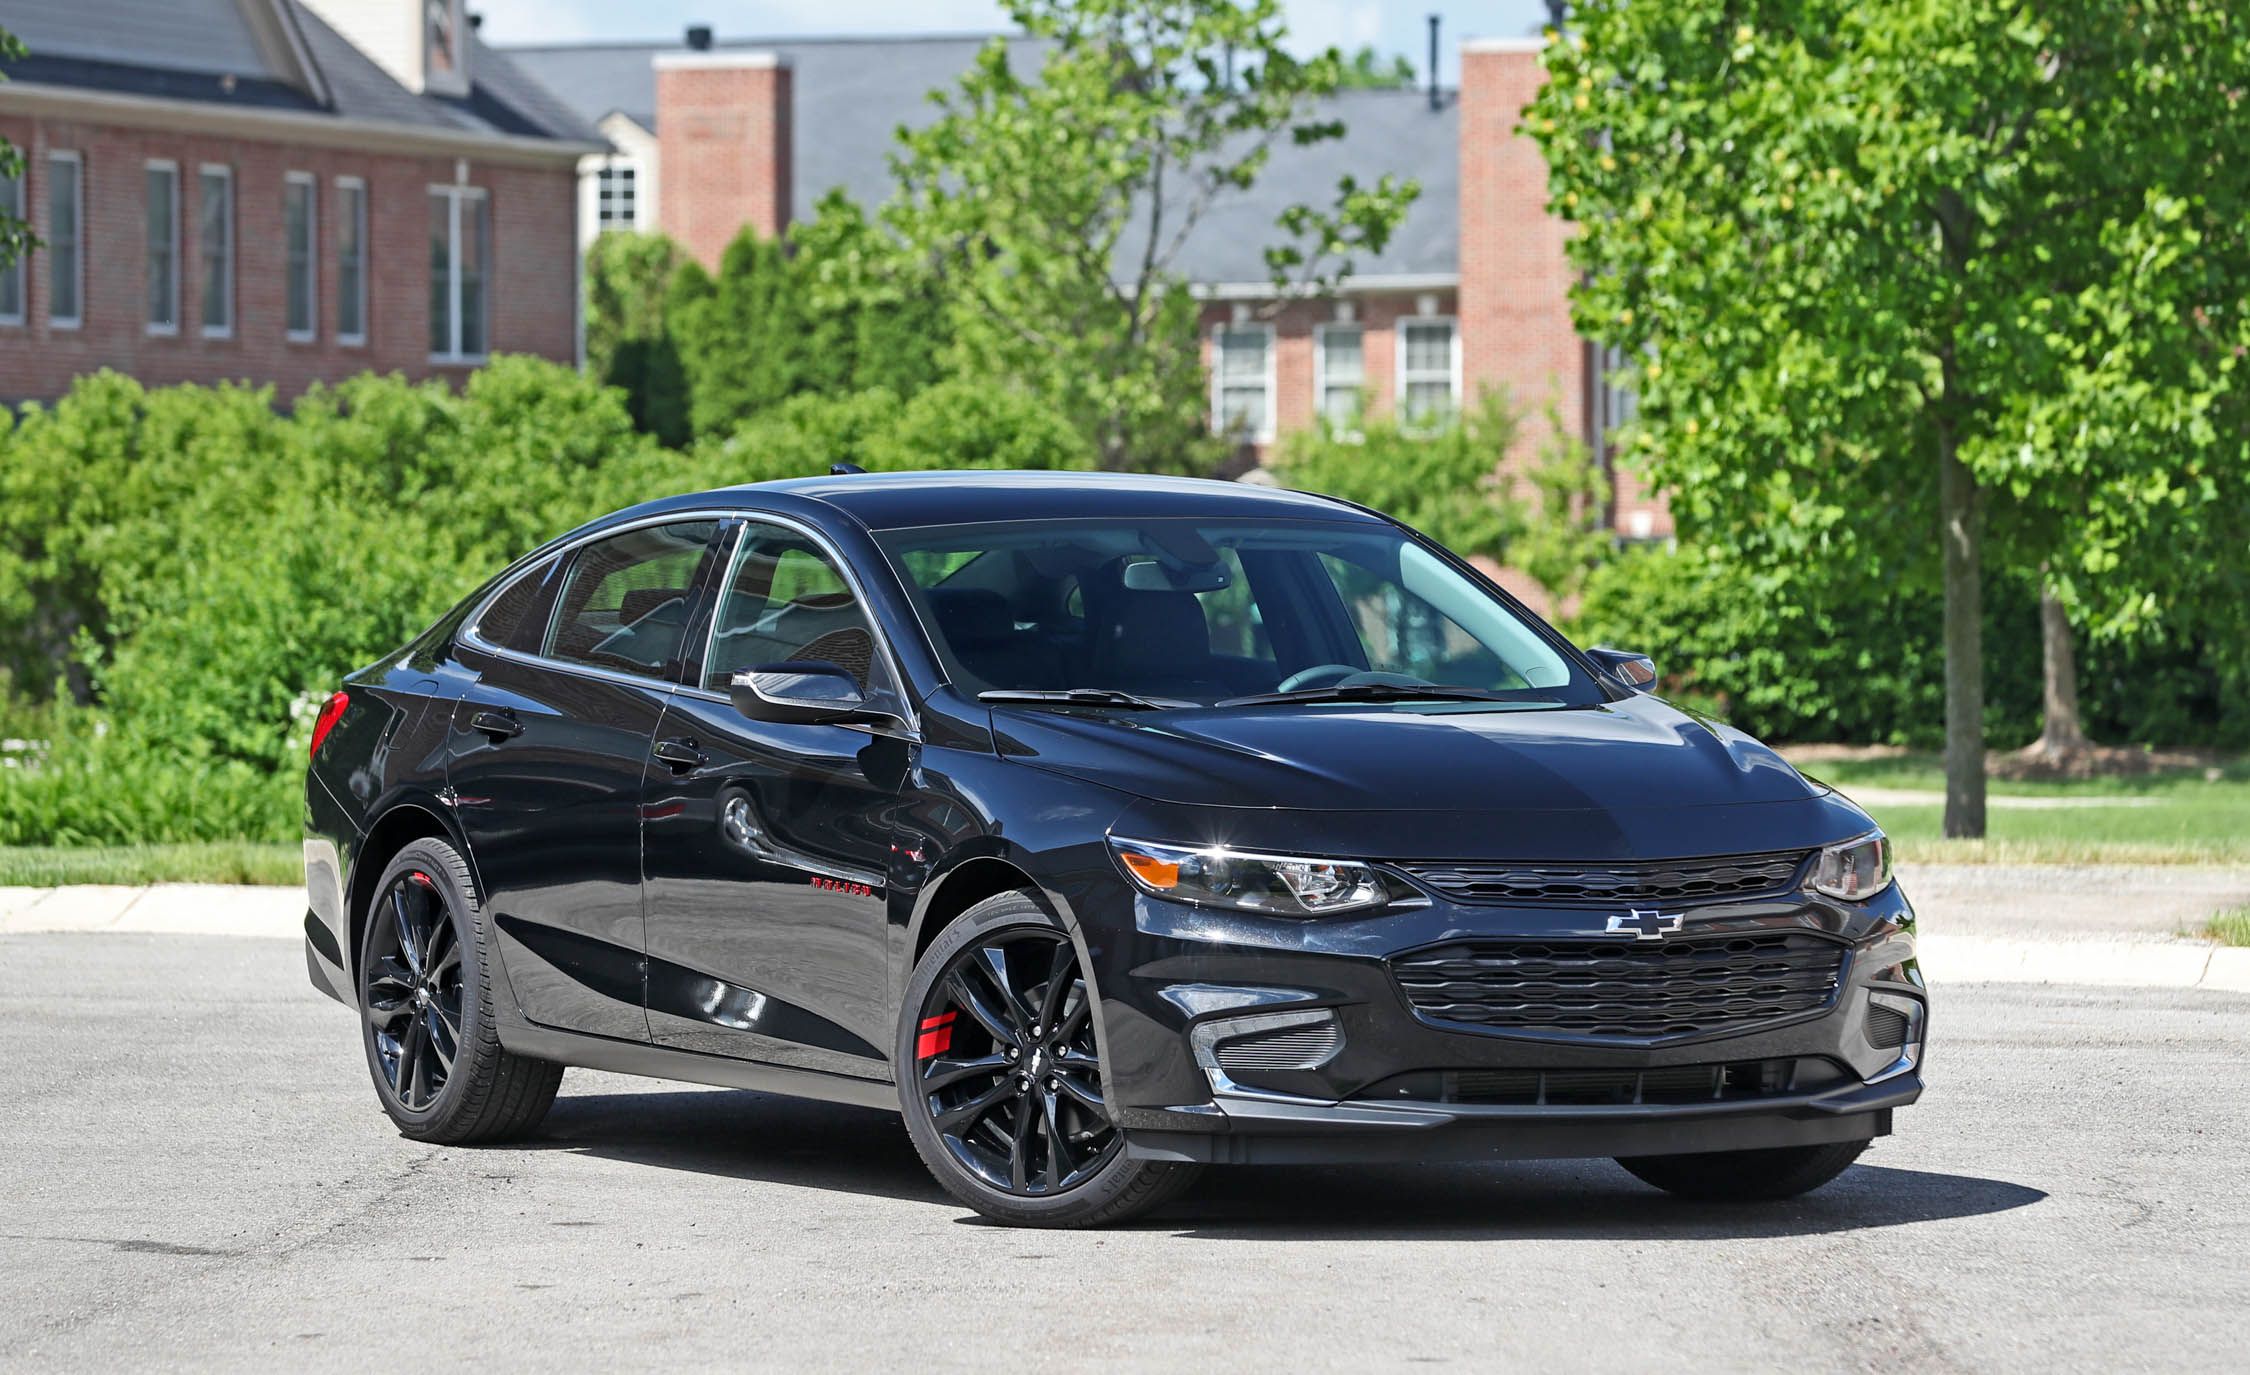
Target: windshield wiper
(1374, 692)
(1080, 697)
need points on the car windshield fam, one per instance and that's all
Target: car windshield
(1188, 612)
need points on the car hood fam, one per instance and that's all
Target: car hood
(1639, 753)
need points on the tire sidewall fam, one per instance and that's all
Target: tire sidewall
(1014, 910)
(447, 870)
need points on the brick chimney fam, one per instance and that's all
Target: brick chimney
(722, 128)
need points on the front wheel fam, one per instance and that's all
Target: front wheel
(1001, 1079)
(1746, 1176)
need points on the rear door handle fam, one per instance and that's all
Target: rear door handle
(497, 724)
(680, 755)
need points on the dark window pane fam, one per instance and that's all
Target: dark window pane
(624, 601)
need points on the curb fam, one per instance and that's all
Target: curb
(164, 909)
(1948, 958)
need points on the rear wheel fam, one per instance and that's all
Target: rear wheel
(425, 995)
(1746, 1176)
(1001, 1079)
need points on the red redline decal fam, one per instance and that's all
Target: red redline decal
(937, 1036)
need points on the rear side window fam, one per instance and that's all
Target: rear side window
(517, 618)
(625, 600)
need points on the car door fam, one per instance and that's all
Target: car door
(547, 754)
(767, 847)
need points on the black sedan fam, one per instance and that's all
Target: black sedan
(1104, 827)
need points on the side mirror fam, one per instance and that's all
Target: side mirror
(1636, 671)
(799, 692)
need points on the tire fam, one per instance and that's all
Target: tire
(957, 1014)
(411, 1002)
(1746, 1176)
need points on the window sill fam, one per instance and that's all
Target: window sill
(217, 335)
(351, 341)
(459, 360)
(162, 331)
(300, 337)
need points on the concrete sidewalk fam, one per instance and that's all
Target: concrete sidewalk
(2111, 925)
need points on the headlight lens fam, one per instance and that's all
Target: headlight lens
(1279, 884)
(1856, 869)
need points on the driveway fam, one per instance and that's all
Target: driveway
(193, 1172)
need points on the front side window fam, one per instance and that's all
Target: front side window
(1196, 611)
(1343, 374)
(163, 248)
(351, 260)
(298, 213)
(625, 600)
(11, 274)
(214, 237)
(66, 239)
(1243, 358)
(1426, 375)
(460, 251)
(784, 601)
(616, 201)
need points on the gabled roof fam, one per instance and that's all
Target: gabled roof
(266, 55)
(852, 94)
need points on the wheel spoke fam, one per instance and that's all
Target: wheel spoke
(1076, 1012)
(409, 944)
(965, 998)
(1019, 1150)
(443, 1041)
(960, 1118)
(1089, 1097)
(993, 963)
(1058, 1157)
(1059, 984)
(410, 1062)
(938, 1074)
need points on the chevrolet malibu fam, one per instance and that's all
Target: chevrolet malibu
(1103, 827)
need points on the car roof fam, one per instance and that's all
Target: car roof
(891, 501)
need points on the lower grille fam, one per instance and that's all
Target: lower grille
(1632, 990)
(1886, 1027)
(1672, 1084)
(1299, 1047)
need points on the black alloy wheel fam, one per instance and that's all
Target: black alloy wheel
(412, 988)
(1000, 1076)
(1006, 1060)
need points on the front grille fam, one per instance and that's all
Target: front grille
(1627, 989)
(1599, 884)
(1297, 1047)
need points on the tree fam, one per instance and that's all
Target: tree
(1366, 70)
(1445, 483)
(15, 233)
(1957, 269)
(1054, 204)
(629, 340)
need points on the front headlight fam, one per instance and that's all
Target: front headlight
(1854, 870)
(1279, 884)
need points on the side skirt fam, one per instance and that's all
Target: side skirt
(662, 1062)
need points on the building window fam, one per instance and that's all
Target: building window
(163, 274)
(616, 196)
(1341, 359)
(1429, 370)
(460, 257)
(1242, 382)
(11, 274)
(351, 260)
(299, 215)
(66, 240)
(1619, 403)
(214, 241)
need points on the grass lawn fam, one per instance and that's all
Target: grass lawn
(2231, 927)
(42, 866)
(2181, 817)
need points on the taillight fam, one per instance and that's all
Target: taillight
(329, 715)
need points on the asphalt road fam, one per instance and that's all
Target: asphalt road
(193, 1173)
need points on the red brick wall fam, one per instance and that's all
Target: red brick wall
(533, 273)
(1296, 367)
(725, 141)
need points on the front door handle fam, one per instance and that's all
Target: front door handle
(680, 755)
(499, 725)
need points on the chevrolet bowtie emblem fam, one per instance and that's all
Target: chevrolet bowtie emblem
(1649, 925)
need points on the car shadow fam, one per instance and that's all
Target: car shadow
(807, 1144)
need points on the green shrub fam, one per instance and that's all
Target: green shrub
(1444, 481)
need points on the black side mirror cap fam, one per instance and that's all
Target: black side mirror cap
(1636, 671)
(799, 692)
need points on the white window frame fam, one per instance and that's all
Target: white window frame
(171, 328)
(16, 268)
(225, 330)
(454, 195)
(1403, 376)
(77, 160)
(311, 184)
(611, 167)
(1320, 369)
(1267, 430)
(352, 191)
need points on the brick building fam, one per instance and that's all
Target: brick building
(1471, 292)
(282, 191)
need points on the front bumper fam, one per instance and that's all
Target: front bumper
(1396, 1084)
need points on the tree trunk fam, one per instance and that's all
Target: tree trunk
(1961, 533)
(2061, 733)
